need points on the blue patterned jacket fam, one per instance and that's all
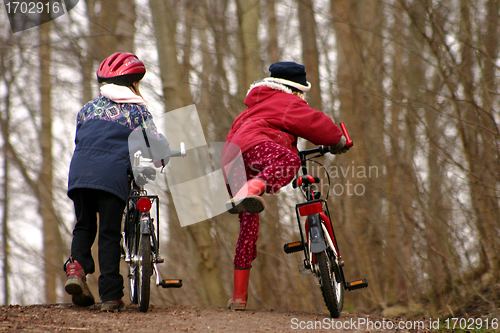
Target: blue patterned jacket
(101, 158)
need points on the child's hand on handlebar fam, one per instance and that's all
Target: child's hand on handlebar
(340, 147)
(158, 164)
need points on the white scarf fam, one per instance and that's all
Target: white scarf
(270, 83)
(121, 94)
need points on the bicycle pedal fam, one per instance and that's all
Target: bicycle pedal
(171, 283)
(303, 269)
(358, 284)
(293, 247)
(160, 260)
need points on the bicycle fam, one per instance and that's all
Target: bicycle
(140, 237)
(319, 245)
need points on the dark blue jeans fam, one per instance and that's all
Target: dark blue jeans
(88, 203)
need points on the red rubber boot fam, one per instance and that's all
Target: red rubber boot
(240, 294)
(248, 198)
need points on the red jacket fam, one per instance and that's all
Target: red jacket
(275, 115)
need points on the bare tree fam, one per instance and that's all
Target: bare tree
(5, 69)
(5, 225)
(40, 182)
(272, 28)
(198, 238)
(360, 72)
(249, 60)
(310, 53)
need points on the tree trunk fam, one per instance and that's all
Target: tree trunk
(112, 29)
(359, 80)
(103, 21)
(5, 230)
(250, 65)
(490, 137)
(51, 246)
(398, 165)
(200, 244)
(176, 91)
(6, 201)
(310, 53)
(272, 28)
(479, 155)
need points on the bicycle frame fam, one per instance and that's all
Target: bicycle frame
(312, 206)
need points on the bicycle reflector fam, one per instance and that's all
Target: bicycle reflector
(311, 209)
(144, 205)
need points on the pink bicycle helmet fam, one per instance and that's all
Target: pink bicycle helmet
(121, 68)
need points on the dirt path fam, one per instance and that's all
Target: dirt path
(69, 318)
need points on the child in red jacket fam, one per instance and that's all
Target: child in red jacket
(266, 135)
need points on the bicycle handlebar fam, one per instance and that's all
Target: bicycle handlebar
(322, 150)
(173, 153)
(176, 153)
(179, 153)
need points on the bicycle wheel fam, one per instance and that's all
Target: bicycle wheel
(143, 272)
(332, 290)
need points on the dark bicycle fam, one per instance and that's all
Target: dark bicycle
(141, 239)
(318, 242)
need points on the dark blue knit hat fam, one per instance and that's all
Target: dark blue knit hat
(290, 73)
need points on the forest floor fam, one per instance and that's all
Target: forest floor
(66, 317)
(70, 318)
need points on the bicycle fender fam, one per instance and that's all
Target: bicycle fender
(317, 241)
(145, 229)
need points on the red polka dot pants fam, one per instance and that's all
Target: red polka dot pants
(277, 166)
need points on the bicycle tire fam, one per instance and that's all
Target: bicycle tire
(337, 285)
(333, 296)
(132, 281)
(336, 271)
(132, 242)
(144, 272)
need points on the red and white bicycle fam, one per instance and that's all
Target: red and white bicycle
(318, 242)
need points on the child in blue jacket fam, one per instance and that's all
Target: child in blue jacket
(98, 177)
